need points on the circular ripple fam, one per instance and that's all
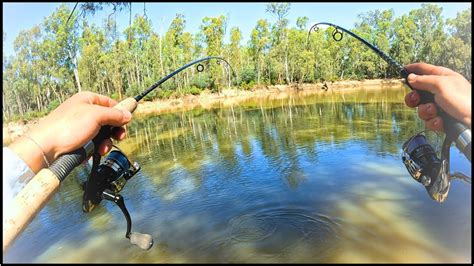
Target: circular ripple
(247, 228)
(277, 229)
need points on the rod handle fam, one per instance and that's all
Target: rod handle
(129, 104)
(27, 203)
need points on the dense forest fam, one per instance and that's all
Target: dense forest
(66, 54)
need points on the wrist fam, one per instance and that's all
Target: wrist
(30, 152)
(43, 139)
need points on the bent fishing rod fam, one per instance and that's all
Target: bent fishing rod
(418, 155)
(106, 178)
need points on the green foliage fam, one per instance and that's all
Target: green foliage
(192, 90)
(201, 81)
(53, 104)
(55, 59)
(248, 75)
(164, 94)
(248, 86)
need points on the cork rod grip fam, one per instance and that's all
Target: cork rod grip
(129, 104)
(27, 203)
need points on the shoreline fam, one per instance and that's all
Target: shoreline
(227, 97)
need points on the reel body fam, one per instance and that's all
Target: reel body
(106, 180)
(423, 165)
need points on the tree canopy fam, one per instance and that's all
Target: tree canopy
(55, 59)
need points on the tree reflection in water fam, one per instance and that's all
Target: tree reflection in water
(280, 179)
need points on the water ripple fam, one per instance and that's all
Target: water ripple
(280, 231)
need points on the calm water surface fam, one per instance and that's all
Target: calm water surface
(300, 179)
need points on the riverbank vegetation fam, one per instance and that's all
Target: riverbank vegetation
(60, 57)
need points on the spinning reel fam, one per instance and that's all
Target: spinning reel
(418, 155)
(106, 180)
(424, 166)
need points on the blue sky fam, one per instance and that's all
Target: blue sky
(23, 16)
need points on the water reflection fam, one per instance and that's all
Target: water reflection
(292, 179)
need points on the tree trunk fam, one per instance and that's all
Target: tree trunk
(286, 67)
(20, 109)
(258, 71)
(76, 73)
(38, 103)
(161, 58)
(138, 72)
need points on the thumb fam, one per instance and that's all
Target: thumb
(111, 116)
(430, 83)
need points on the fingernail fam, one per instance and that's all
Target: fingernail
(429, 109)
(122, 135)
(411, 77)
(436, 123)
(413, 96)
(126, 115)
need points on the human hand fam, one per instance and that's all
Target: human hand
(70, 126)
(452, 93)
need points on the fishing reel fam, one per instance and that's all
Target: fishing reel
(106, 180)
(424, 166)
(418, 156)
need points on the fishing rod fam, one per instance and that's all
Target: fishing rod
(106, 178)
(418, 155)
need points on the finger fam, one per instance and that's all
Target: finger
(412, 99)
(428, 83)
(110, 116)
(435, 124)
(428, 69)
(94, 98)
(427, 111)
(105, 146)
(119, 133)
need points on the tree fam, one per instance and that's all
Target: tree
(259, 44)
(301, 23)
(376, 29)
(235, 53)
(280, 33)
(457, 50)
(213, 31)
(429, 35)
(403, 44)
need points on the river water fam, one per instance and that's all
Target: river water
(313, 178)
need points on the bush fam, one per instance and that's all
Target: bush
(53, 104)
(164, 94)
(248, 75)
(248, 86)
(201, 81)
(192, 90)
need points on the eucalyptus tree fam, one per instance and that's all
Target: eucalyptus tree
(259, 45)
(235, 53)
(213, 30)
(457, 51)
(280, 34)
(429, 35)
